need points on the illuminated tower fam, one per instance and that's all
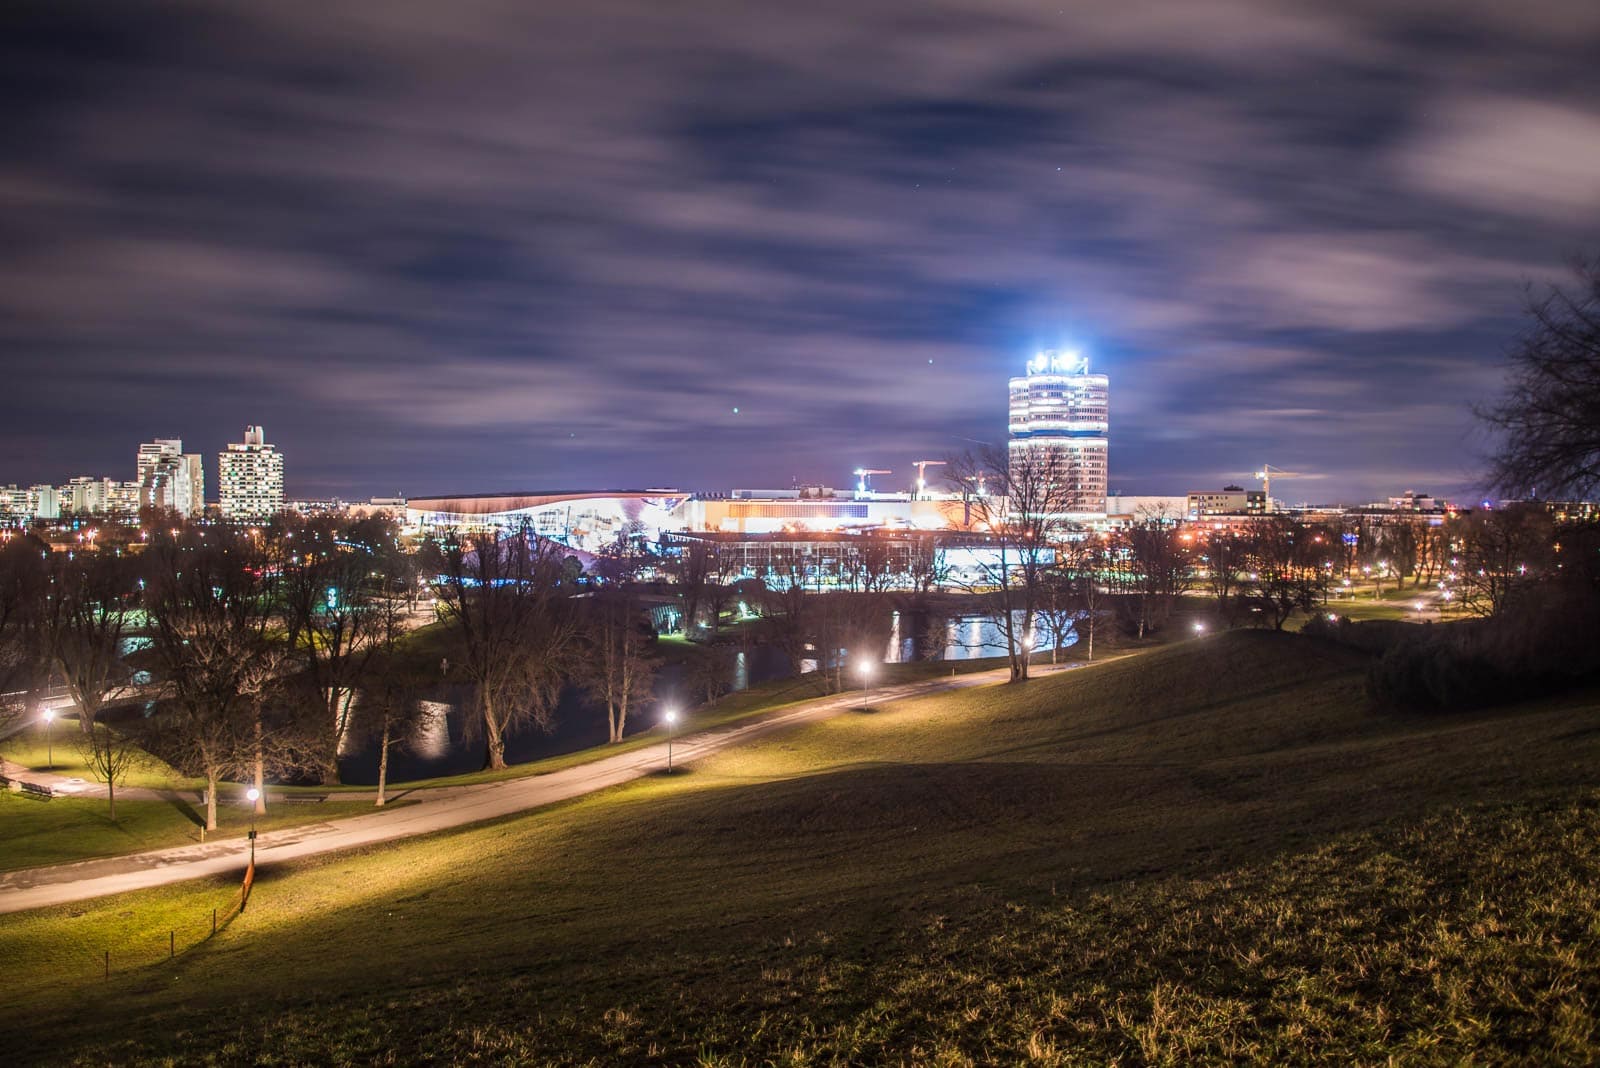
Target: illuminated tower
(1058, 405)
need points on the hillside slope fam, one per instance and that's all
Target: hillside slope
(748, 904)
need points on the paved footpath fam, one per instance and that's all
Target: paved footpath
(436, 809)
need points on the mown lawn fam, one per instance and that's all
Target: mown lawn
(59, 749)
(1209, 851)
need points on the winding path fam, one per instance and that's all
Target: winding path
(438, 809)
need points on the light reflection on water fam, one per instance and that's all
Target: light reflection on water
(433, 738)
(967, 638)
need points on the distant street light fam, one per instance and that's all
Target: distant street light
(670, 718)
(1199, 627)
(864, 669)
(254, 795)
(49, 737)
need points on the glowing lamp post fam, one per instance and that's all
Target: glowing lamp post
(254, 795)
(50, 737)
(864, 669)
(670, 718)
(1199, 627)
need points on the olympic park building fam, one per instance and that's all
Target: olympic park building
(760, 527)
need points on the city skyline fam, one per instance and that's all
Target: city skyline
(708, 257)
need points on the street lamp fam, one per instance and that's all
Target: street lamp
(864, 669)
(49, 737)
(1199, 627)
(254, 795)
(670, 718)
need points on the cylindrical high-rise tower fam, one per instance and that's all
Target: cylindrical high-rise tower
(1058, 405)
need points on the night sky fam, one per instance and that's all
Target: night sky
(455, 247)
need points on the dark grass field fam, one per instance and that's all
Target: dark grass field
(1213, 851)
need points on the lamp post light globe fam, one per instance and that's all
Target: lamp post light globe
(1199, 627)
(50, 737)
(864, 668)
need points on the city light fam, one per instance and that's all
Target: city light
(865, 668)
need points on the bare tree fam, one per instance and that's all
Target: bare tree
(617, 668)
(1549, 417)
(1161, 568)
(1059, 607)
(1399, 538)
(506, 596)
(692, 571)
(1291, 563)
(328, 593)
(1499, 553)
(783, 610)
(862, 625)
(210, 601)
(24, 647)
(389, 709)
(94, 599)
(709, 674)
(721, 582)
(1226, 556)
(1021, 500)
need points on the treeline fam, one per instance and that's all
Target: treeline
(1539, 631)
(265, 649)
(250, 642)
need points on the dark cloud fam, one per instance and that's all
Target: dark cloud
(485, 245)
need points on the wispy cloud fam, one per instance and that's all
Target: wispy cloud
(495, 244)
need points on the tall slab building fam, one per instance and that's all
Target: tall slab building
(1058, 405)
(170, 478)
(250, 478)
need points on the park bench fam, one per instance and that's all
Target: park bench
(27, 789)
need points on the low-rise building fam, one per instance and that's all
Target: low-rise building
(1230, 500)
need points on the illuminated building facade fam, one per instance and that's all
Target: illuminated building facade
(250, 478)
(587, 521)
(1059, 406)
(1231, 500)
(170, 478)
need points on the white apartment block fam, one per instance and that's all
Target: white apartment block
(250, 478)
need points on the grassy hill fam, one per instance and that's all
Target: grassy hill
(1210, 850)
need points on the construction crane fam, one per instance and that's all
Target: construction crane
(922, 474)
(1267, 474)
(864, 477)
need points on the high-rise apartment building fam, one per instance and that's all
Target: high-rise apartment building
(1059, 406)
(170, 478)
(250, 478)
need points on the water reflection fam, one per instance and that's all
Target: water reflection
(968, 638)
(433, 737)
